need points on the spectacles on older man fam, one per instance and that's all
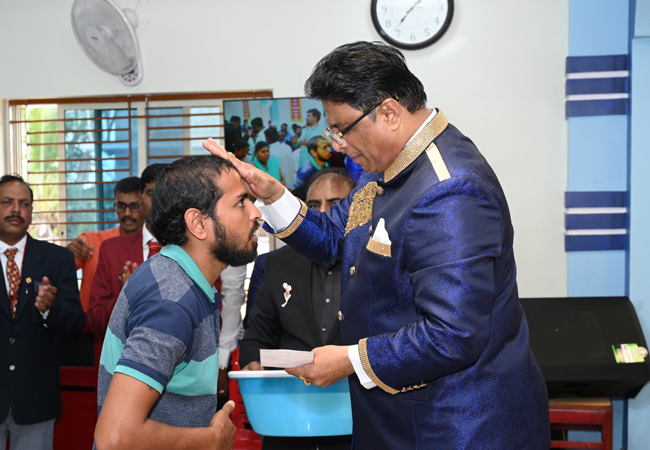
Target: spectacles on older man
(337, 135)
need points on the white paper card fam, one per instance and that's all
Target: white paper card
(285, 358)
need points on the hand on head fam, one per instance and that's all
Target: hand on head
(258, 183)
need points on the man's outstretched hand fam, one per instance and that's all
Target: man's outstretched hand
(259, 184)
(331, 364)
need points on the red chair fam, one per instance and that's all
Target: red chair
(245, 437)
(592, 414)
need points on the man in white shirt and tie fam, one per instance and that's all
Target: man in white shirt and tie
(40, 299)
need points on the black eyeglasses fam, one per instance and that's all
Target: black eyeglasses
(121, 206)
(337, 137)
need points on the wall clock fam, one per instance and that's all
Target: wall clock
(411, 24)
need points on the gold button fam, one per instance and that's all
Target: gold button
(380, 190)
(12, 367)
(353, 271)
(340, 314)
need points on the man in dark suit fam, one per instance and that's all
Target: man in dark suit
(308, 319)
(40, 300)
(119, 257)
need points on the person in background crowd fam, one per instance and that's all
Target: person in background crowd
(292, 140)
(309, 319)
(246, 130)
(241, 151)
(267, 163)
(158, 378)
(40, 300)
(120, 256)
(313, 128)
(232, 132)
(319, 155)
(86, 247)
(258, 132)
(284, 154)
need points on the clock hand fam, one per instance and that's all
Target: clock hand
(407, 13)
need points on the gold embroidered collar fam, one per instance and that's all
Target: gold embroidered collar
(416, 146)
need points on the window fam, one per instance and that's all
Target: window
(73, 151)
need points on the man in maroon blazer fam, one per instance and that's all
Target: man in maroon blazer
(119, 257)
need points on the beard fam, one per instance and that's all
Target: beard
(231, 251)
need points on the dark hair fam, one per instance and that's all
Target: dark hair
(260, 145)
(301, 191)
(184, 184)
(235, 119)
(271, 135)
(314, 112)
(294, 126)
(127, 185)
(312, 144)
(257, 122)
(336, 174)
(14, 177)
(240, 144)
(150, 173)
(363, 74)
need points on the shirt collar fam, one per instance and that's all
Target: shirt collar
(20, 245)
(419, 142)
(147, 236)
(189, 266)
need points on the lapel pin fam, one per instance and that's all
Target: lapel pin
(28, 279)
(287, 293)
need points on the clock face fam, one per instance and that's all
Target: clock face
(411, 24)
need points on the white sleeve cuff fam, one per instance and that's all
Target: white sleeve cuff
(364, 379)
(279, 215)
(45, 314)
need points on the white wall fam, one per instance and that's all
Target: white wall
(498, 75)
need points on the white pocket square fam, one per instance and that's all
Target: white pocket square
(381, 235)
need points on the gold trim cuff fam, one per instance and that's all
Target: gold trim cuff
(295, 224)
(363, 354)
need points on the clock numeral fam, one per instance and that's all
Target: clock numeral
(384, 9)
(413, 37)
(440, 8)
(426, 32)
(388, 24)
(398, 32)
(437, 21)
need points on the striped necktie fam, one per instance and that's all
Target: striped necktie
(154, 247)
(13, 276)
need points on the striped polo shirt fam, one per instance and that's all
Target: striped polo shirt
(164, 331)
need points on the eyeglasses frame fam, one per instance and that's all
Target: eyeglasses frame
(338, 136)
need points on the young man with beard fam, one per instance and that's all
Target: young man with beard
(86, 247)
(319, 155)
(159, 366)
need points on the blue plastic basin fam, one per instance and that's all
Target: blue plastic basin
(278, 404)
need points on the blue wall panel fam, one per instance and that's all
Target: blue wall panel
(597, 274)
(598, 153)
(598, 27)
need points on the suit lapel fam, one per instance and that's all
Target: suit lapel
(4, 300)
(32, 270)
(302, 271)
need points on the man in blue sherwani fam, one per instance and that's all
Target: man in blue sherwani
(435, 342)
